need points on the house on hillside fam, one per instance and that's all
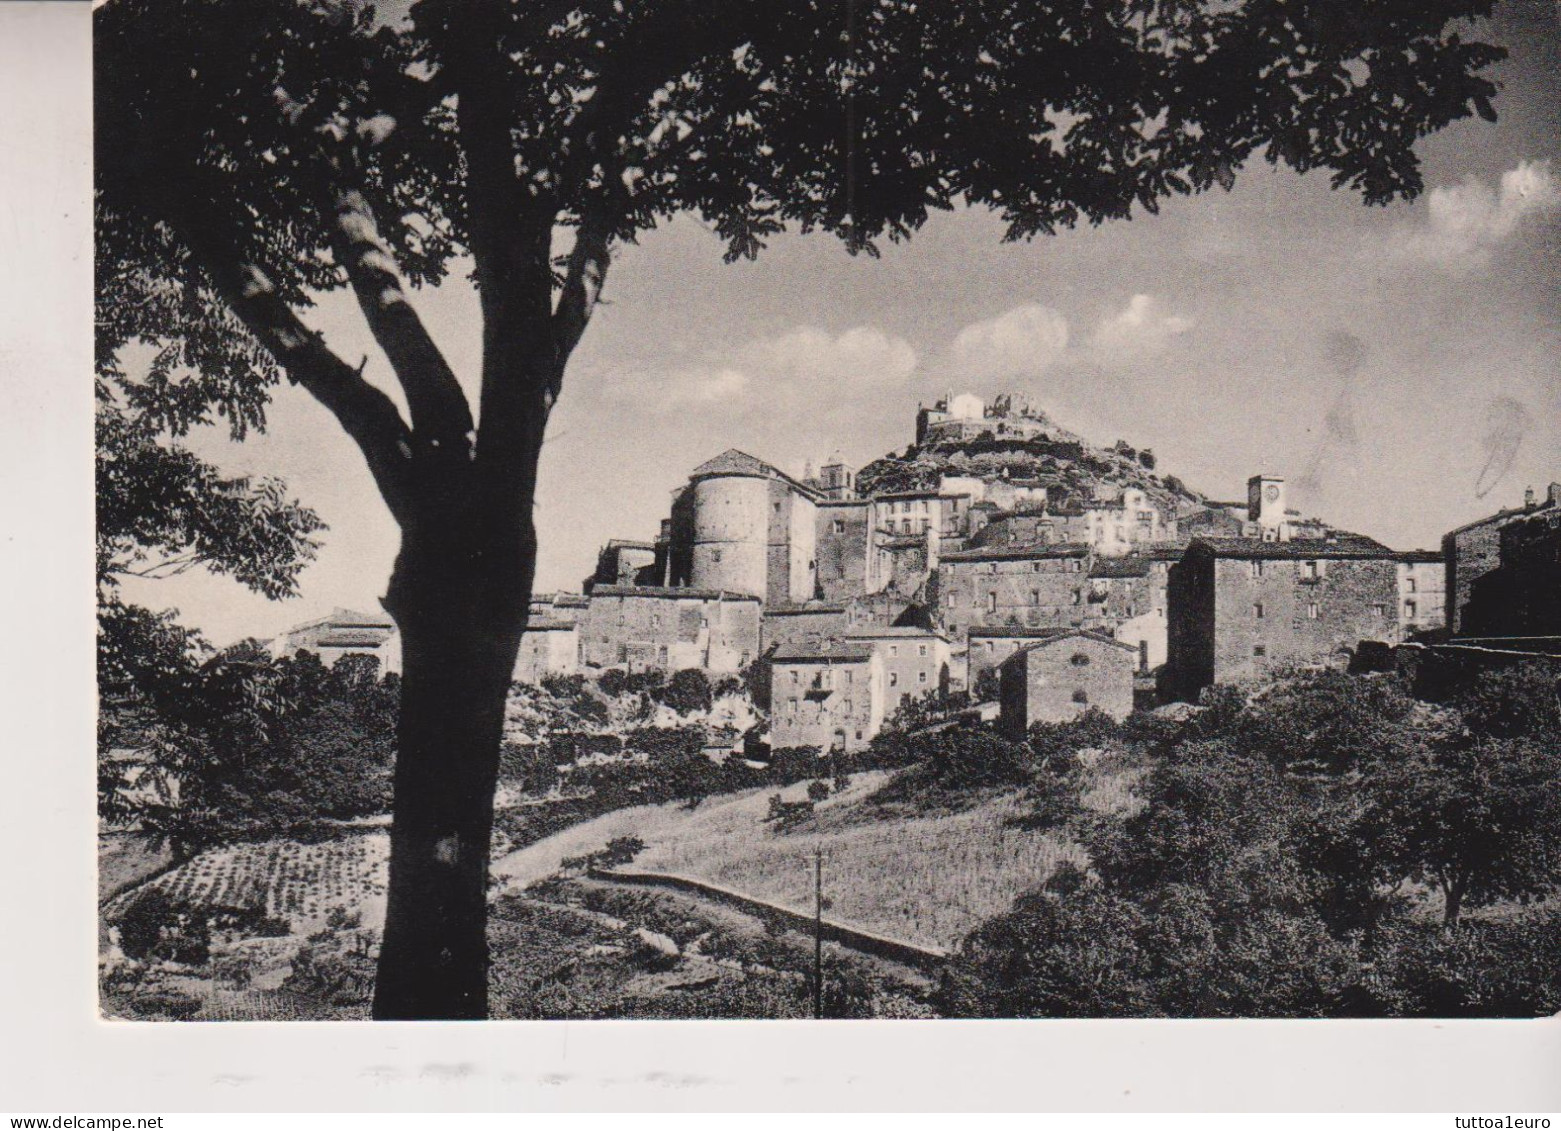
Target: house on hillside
(1064, 674)
(344, 633)
(827, 695)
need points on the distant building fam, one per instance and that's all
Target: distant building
(1061, 676)
(344, 633)
(549, 647)
(915, 662)
(1497, 583)
(827, 696)
(642, 627)
(565, 607)
(744, 526)
(622, 562)
(843, 542)
(1422, 592)
(1239, 607)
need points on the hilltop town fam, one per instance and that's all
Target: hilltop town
(999, 541)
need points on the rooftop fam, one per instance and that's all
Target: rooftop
(821, 652)
(1059, 635)
(734, 462)
(1342, 545)
(1120, 567)
(886, 632)
(1019, 553)
(668, 593)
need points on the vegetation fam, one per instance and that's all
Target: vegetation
(251, 159)
(1273, 866)
(256, 748)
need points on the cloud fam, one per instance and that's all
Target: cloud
(1142, 327)
(705, 384)
(806, 361)
(860, 355)
(1468, 221)
(1024, 341)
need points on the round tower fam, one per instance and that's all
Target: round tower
(731, 529)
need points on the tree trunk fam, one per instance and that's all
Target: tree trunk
(1452, 905)
(460, 606)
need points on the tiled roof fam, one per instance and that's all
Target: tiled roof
(1342, 545)
(1120, 567)
(350, 639)
(1016, 631)
(734, 462)
(891, 631)
(667, 593)
(820, 609)
(1064, 634)
(1420, 556)
(547, 624)
(1020, 553)
(820, 652)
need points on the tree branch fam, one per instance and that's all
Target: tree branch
(364, 412)
(583, 282)
(440, 414)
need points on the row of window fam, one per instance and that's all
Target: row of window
(1312, 609)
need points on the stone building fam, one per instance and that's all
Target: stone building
(624, 562)
(344, 633)
(743, 526)
(987, 647)
(549, 647)
(843, 539)
(565, 607)
(1521, 597)
(644, 627)
(1061, 676)
(812, 623)
(915, 662)
(827, 696)
(1422, 592)
(1238, 608)
(1472, 552)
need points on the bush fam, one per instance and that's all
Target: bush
(155, 926)
(688, 691)
(818, 791)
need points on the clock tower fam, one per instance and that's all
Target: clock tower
(1266, 505)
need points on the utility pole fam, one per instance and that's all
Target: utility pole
(818, 931)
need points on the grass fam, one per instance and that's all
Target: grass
(927, 880)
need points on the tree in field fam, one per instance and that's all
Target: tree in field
(252, 153)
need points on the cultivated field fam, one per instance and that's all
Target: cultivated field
(301, 883)
(926, 879)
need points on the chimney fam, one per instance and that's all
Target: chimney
(1528, 498)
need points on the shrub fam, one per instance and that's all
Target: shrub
(687, 691)
(818, 791)
(156, 926)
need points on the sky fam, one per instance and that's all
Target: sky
(1400, 366)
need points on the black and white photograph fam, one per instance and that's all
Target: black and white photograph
(912, 510)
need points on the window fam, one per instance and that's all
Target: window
(840, 526)
(1256, 567)
(991, 602)
(1035, 596)
(1079, 660)
(1036, 566)
(1379, 610)
(921, 649)
(1257, 610)
(1311, 570)
(858, 735)
(894, 649)
(1075, 565)
(792, 705)
(1311, 611)
(1077, 595)
(921, 677)
(1259, 651)
(1081, 696)
(795, 676)
(850, 677)
(655, 620)
(894, 679)
(1409, 609)
(850, 706)
(1409, 585)
(715, 556)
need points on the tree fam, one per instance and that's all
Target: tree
(252, 155)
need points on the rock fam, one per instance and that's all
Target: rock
(658, 941)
